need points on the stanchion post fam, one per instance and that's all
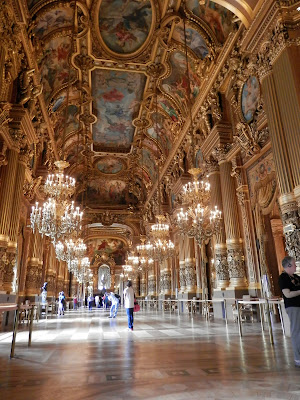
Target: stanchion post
(13, 343)
(30, 325)
(239, 318)
(225, 310)
(269, 323)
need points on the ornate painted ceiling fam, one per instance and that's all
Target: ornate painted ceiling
(101, 64)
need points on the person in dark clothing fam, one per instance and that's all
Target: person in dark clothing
(289, 284)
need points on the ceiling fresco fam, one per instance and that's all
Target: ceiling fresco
(116, 130)
(124, 25)
(54, 65)
(110, 192)
(117, 97)
(52, 20)
(219, 19)
(110, 165)
(114, 248)
(193, 40)
(176, 85)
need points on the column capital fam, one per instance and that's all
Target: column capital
(212, 166)
(220, 152)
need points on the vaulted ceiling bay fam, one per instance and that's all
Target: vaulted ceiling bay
(101, 64)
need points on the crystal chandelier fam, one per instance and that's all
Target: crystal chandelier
(56, 219)
(198, 220)
(81, 268)
(160, 246)
(58, 185)
(70, 249)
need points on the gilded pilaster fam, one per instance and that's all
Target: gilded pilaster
(152, 280)
(220, 249)
(7, 195)
(33, 277)
(235, 256)
(190, 271)
(242, 193)
(166, 277)
(277, 231)
(14, 222)
(182, 278)
(24, 260)
(288, 102)
(143, 284)
(284, 134)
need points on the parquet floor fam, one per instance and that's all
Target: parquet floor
(87, 356)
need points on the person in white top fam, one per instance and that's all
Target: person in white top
(129, 303)
(114, 305)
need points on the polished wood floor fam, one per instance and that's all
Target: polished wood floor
(87, 356)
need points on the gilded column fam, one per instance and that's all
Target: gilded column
(6, 204)
(242, 193)
(220, 248)
(235, 255)
(190, 270)
(284, 78)
(277, 231)
(152, 280)
(166, 277)
(51, 273)
(24, 260)
(14, 221)
(285, 152)
(182, 278)
(143, 284)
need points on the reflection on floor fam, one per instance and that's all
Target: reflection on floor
(87, 356)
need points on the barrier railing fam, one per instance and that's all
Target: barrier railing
(204, 307)
(30, 309)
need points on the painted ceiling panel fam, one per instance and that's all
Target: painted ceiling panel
(161, 134)
(124, 25)
(168, 108)
(193, 40)
(149, 164)
(176, 85)
(117, 96)
(110, 165)
(218, 18)
(54, 66)
(108, 192)
(58, 18)
(112, 247)
(72, 123)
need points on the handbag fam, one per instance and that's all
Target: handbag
(136, 307)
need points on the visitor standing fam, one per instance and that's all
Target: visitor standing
(129, 303)
(289, 284)
(90, 302)
(75, 302)
(97, 300)
(61, 302)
